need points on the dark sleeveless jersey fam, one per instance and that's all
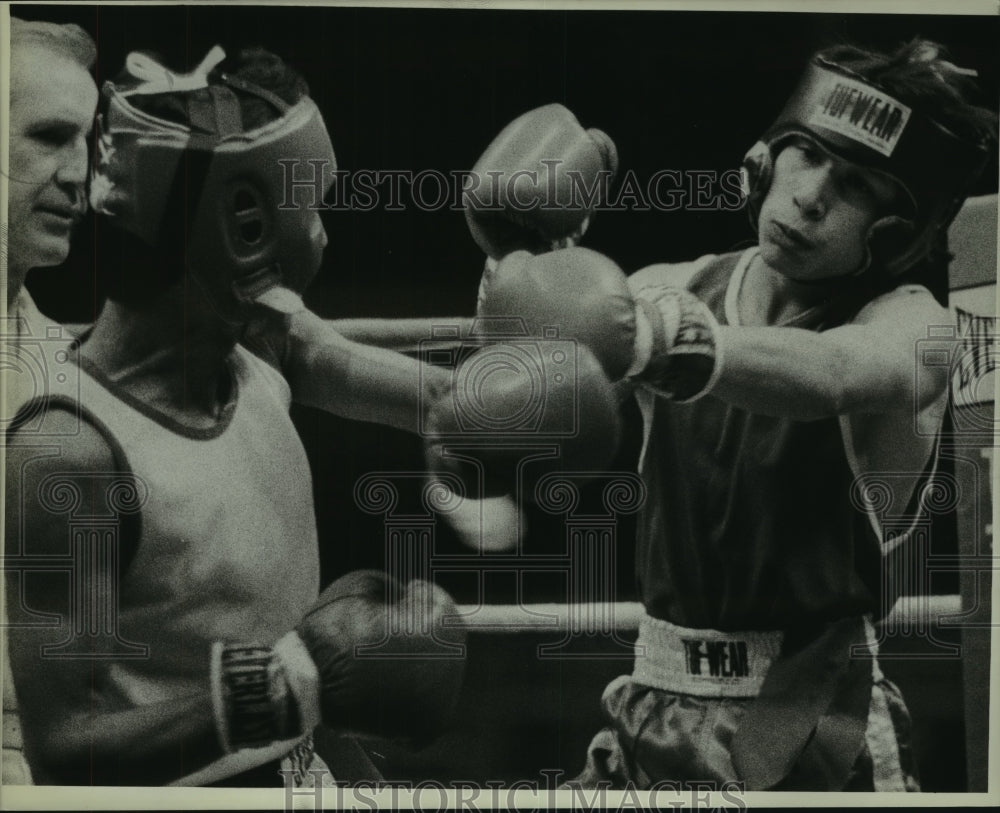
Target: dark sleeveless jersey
(748, 522)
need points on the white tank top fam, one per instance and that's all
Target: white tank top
(227, 548)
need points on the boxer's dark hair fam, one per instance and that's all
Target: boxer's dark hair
(255, 65)
(270, 72)
(919, 74)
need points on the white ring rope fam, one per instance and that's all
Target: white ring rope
(623, 616)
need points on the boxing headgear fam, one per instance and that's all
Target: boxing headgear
(248, 239)
(853, 118)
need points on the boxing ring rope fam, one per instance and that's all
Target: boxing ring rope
(909, 612)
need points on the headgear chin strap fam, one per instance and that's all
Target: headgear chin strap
(249, 238)
(853, 118)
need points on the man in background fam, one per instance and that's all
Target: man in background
(52, 102)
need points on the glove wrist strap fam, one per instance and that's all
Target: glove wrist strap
(261, 694)
(648, 336)
(685, 358)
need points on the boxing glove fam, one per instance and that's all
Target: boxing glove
(388, 663)
(371, 656)
(574, 293)
(660, 336)
(538, 183)
(547, 400)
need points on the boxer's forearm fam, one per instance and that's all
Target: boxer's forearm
(357, 381)
(800, 374)
(73, 738)
(403, 335)
(147, 745)
(385, 387)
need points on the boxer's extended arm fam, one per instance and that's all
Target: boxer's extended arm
(672, 345)
(401, 335)
(873, 365)
(68, 739)
(358, 381)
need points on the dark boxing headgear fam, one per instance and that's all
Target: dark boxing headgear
(853, 118)
(248, 239)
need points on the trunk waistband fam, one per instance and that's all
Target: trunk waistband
(710, 663)
(703, 662)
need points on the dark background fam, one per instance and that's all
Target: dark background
(409, 89)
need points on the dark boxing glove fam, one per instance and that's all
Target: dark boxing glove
(372, 656)
(510, 400)
(388, 665)
(660, 336)
(575, 293)
(538, 183)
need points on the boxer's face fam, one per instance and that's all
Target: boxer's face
(52, 107)
(815, 219)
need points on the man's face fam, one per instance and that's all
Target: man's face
(52, 108)
(815, 219)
